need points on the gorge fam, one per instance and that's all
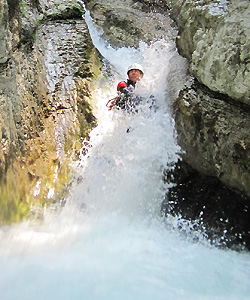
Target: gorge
(106, 213)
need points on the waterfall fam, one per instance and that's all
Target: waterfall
(110, 241)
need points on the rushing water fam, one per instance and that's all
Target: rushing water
(110, 240)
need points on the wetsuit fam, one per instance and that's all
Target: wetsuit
(126, 99)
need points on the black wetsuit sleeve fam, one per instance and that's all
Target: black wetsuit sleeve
(125, 91)
(124, 98)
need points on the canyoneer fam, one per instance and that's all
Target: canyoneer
(126, 99)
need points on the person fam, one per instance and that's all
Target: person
(126, 99)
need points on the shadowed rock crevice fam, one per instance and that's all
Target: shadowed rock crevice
(208, 206)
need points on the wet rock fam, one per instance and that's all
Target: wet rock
(214, 132)
(9, 31)
(129, 22)
(212, 117)
(45, 93)
(204, 204)
(214, 36)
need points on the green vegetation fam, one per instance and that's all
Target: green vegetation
(23, 7)
(19, 190)
(77, 7)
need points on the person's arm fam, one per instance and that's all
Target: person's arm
(124, 94)
(122, 88)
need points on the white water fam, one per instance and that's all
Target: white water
(110, 241)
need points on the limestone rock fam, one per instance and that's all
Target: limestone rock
(214, 36)
(128, 22)
(45, 91)
(9, 34)
(214, 133)
(213, 127)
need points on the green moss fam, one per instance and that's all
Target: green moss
(77, 7)
(13, 201)
(17, 189)
(70, 12)
(23, 7)
(84, 72)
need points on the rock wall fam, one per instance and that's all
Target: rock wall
(212, 116)
(214, 36)
(47, 64)
(126, 23)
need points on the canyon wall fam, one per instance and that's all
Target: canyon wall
(212, 116)
(47, 64)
